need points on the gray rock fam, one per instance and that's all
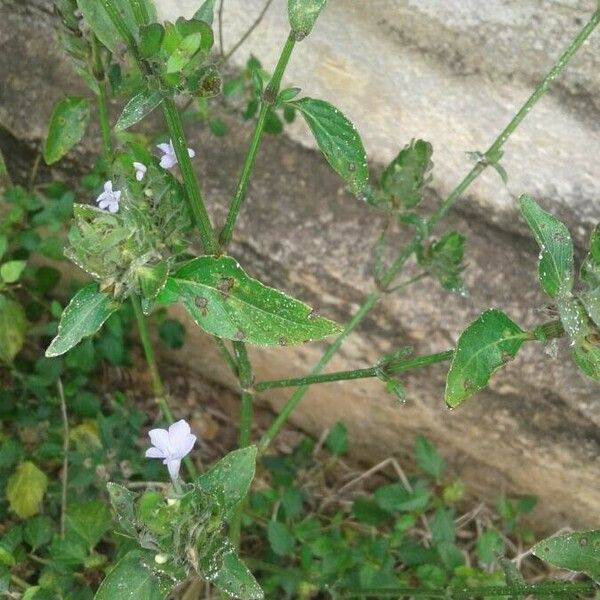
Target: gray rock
(453, 73)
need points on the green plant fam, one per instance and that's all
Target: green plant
(137, 246)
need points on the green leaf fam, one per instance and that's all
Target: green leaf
(152, 279)
(25, 490)
(87, 522)
(338, 140)
(101, 24)
(223, 569)
(427, 457)
(229, 479)
(134, 578)
(488, 546)
(151, 37)
(591, 302)
(139, 107)
(3, 245)
(84, 316)
(122, 501)
(555, 268)
(67, 126)
(577, 551)
(337, 439)
(368, 511)
(38, 531)
(406, 176)
(483, 347)
(280, 538)
(395, 497)
(225, 302)
(441, 525)
(206, 12)
(10, 271)
(303, 14)
(13, 326)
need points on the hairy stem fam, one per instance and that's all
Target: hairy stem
(64, 476)
(269, 97)
(392, 368)
(157, 384)
(207, 235)
(102, 99)
(441, 211)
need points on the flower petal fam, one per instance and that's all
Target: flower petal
(154, 453)
(178, 430)
(113, 207)
(173, 465)
(104, 203)
(168, 161)
(108, 187)
(166, 148)
(160, 439)
(191, 153)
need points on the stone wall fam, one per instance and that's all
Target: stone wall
(451, 72)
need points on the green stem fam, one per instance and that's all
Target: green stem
(269, 97)
(441, 211)
(115, 16)
(390, 369)
(157, 384)
(102, 100)
(209, 241)
(227, 355)
(245, 377)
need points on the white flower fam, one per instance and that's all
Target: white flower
(168, 160)
(109, 198)
(140, 170)
(171, 445)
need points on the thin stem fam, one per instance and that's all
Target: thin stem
(389, 369)
(102, 99)
(441, 211)
(209, 241)
(221, 37)
(157, 384)
(245, 377)
(227, 355)
(269, 97)
(248, 33)
(115, 16)
(64, 477)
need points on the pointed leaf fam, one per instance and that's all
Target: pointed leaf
(13, 326)
(85, 314)
(303, 14)
(556, 248)
(151, 37)
(428, 458)
(122, 501)
(230, 478)
(338, 140)
(226, 302)
(25, 489)
(133, 578)
(101, 24)
(577, 551)
(67, 126)
(87, 522)
(206, 12)
(483, 347)
(10, 271)
(139, 107)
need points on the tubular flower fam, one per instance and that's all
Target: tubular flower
(109, 198)
(171, 445)
(168, 160)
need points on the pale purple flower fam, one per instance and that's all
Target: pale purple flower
(109, 198)
(140, 170)
(171, 445)
(168, 160)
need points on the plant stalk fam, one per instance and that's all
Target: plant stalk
(157, 384)
(102, 100)
(140, 12)
(268, 98)
(492, 154)
(207, 235)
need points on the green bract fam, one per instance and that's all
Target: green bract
(405, 177)
(338, 140)
(67, 126)
(226, 302)
(483, 347)
(303, 14)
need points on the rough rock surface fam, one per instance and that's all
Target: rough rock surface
(399, 69)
